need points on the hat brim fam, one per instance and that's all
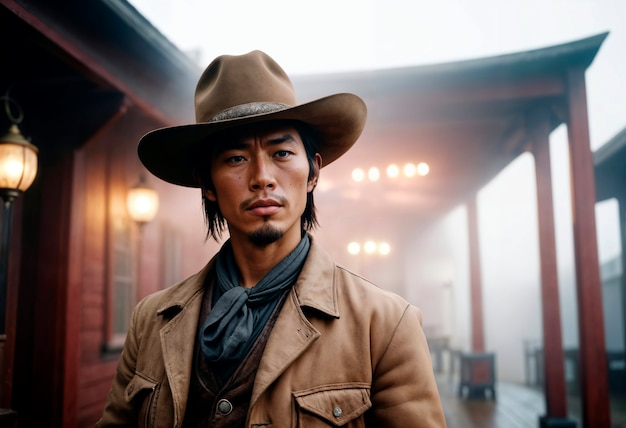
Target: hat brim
(339, 120)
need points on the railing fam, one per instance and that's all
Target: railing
(534, 374)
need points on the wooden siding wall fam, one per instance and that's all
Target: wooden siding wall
(104, 169)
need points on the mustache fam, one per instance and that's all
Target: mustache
(278, 198)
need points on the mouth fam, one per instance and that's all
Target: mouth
(264, 207)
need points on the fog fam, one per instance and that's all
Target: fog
(430, 268)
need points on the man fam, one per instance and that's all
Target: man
(271, 333)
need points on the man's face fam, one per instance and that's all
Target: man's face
(260, 180)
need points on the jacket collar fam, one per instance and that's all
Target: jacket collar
(316, 287)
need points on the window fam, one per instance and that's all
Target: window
(122, 283)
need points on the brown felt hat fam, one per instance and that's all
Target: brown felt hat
(238, 90)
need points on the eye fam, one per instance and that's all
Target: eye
(283, 154)
(235, 159)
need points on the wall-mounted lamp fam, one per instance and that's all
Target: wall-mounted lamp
(18, 169)
(143, 202)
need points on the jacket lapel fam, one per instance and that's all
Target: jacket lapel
(293, 333)
(178, 340)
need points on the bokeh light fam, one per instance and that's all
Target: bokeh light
(409, 170)
(358, 174)
(354, 248)
(423, 169)
(373, 174)
(393, 171)
(370, 247)
(384, 248)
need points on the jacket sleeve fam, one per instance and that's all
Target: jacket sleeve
(118, 410)
(404, 391)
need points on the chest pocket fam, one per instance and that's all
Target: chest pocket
(334, 405)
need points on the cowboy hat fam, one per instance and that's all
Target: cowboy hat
(238, 90)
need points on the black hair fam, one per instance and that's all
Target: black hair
(215, 221)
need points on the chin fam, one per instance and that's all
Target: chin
(265, 235)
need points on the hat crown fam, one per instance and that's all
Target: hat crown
(239, 91)
(242, 80)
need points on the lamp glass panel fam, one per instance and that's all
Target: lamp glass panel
(143, 204)
(18, 166)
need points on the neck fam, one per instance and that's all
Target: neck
(254, 261)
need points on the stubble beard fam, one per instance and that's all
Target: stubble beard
(265, 235)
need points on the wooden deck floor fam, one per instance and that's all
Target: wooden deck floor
(516, 406)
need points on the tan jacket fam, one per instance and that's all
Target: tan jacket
(343, 352)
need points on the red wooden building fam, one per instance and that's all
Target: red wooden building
(92, 77)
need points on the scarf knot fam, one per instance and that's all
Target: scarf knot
(239, 314)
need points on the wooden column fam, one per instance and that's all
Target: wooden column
(621, 210)
(593, 362)
(554, 372)
(476, 293)
(8, 417)
(42, 346)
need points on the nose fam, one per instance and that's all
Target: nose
(261, 176)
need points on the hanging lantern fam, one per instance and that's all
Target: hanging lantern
(18, 158)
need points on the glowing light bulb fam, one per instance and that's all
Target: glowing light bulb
(354, 248)
(373, 174)
(370, 247)
(423, 169)
(143, 203)
(393, 171)
(358, 175)
(409, 170)
(384, 248)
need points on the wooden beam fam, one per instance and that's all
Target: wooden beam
(476, 293)
(540, 87)
(554, 372)
(593, 360)
(464, 103)
(92, 67)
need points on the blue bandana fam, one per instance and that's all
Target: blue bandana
(240, 313)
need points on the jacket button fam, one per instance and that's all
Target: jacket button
(337, 411)
(224, 407)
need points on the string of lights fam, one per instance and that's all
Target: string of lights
(393, 171)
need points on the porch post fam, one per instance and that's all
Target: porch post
(593, 361)
(476, 293)
(553, 367)
(620, 196)
(477, 368)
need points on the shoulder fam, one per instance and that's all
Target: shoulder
(354, 283)
(325, 285)
(367, 297)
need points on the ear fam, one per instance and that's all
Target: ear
(210, 195)
(317, 165)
